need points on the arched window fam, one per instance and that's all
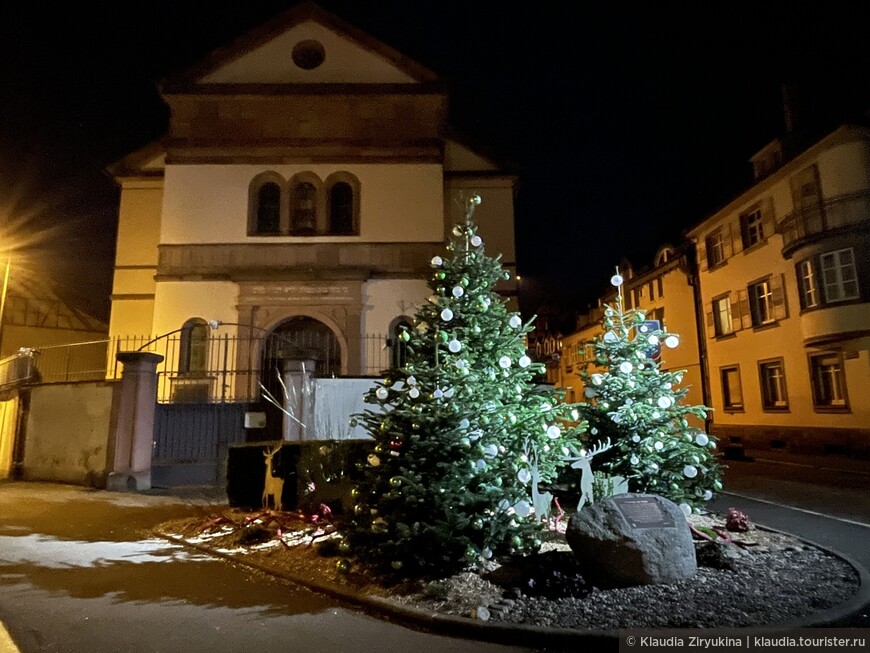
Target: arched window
(398, 347)
(193, 352)
(267, 205)
(341, 208)
(269, 209)
(304, 210)
(342, 198)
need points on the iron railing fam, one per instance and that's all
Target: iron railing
(833, 213)
(219, 368)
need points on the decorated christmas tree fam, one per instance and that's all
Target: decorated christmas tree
(635, 406)
(462, 432)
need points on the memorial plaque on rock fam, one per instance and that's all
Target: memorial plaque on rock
(643, 512)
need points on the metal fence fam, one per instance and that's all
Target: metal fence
(214, 368)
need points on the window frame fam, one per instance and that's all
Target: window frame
(715, 242)
(839, 282)
(768, 402)
(728, 404)
(718, 331)
(820, 402)
(808, 284)
(193, 348)
(755, 303)
(752, 228)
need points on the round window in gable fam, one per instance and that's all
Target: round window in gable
(309, 54)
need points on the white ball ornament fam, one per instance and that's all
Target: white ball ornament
(653, 340)
(524, 361)
(554, 432)
(438, 393)
(504, 362)
(523, 509)
(597, 379)
(665, 402)
(634, 460)
(480, 464)
(454, 346)
(464, 423)
(476, 241)
(707, 495)
(411, 380)
(461, 364)
(515, 322)
(686, 508)
(610, 337)
(524, 475)
(635, 438)
(625, 367)
(491, 450)
(458, 291)
(659, 445)
(590, 393)
(413, 393)
(437, 262)
(446, 315)
(381, 393)
(672, 341)
(616, 280)
(690, 471)
(702, 440)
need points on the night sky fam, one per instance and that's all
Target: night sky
(626, 125)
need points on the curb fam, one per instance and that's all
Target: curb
(519, 634)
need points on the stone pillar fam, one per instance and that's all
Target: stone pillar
(134, 432)
(298, 377)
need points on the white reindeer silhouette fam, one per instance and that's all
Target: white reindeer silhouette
(586, 478)
(542, 501)
(273, 486)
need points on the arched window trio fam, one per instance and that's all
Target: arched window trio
(304, 205)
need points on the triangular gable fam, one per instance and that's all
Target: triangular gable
(266, 55)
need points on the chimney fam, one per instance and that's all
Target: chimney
(789, 106)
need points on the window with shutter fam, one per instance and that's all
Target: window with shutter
(732, 392)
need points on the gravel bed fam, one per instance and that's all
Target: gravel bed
(773, 579)
(767, 588)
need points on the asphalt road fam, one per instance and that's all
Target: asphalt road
(80, 572)
(825, 500)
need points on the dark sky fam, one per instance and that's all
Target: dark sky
(626, 124)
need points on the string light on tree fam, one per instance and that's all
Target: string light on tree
(640, 409)
(446, 486)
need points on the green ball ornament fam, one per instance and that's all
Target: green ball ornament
(440, 275)
(397, 564)
(353, 422)
(477, 524)
(344, 546)
(396, 481)
(343, 566)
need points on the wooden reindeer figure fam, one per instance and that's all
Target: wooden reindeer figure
(273, 485)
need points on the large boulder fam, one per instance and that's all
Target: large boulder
(632, 539)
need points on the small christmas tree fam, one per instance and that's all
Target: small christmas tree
(638, 408)
(462, 431)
